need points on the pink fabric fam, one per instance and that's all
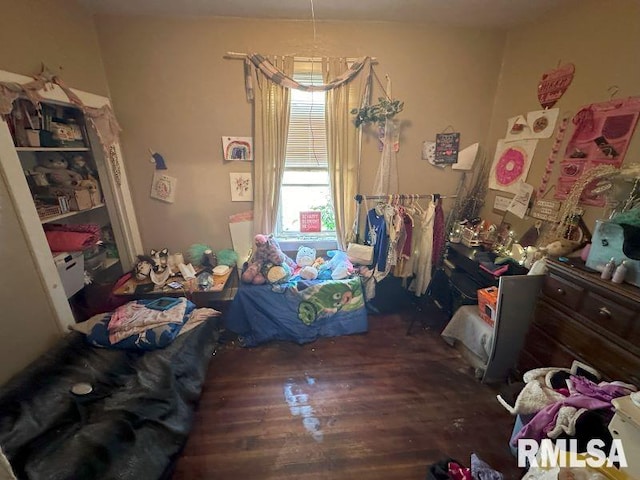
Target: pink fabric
(69, 241)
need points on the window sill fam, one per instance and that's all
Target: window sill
(320, 244)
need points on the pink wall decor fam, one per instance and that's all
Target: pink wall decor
(601, 137)
(554, 83)
(511, 164)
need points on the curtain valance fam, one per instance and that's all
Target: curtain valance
(278, 77)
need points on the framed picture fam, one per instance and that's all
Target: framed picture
(241, 187)
(237, 148)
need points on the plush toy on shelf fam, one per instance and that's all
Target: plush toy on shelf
(56, 168)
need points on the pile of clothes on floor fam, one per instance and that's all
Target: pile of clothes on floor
(565, 403)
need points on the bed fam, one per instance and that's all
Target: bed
(299, 311)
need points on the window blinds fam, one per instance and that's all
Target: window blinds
(307, 139)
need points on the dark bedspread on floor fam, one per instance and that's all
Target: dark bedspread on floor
(131, 426)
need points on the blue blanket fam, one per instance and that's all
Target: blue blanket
(299, 312)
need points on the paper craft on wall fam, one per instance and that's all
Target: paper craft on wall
(241, 187)
(511, 164)
(542, 123)
(163, 187)
(554, 83)
(519, 204)
(429, 153)
(237, 148)
(536, 124)
(601, 137)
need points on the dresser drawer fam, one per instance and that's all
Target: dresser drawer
(562, 291)
(586, 345)
(610, 315)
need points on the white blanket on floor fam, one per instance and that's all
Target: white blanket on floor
(467, 327)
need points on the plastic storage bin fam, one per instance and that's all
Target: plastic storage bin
(71, 270)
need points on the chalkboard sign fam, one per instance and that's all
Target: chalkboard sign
(447, 145)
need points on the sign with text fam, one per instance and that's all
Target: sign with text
(310, 221)
(447, 145)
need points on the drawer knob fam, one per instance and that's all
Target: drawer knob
(560, 291)
(604, 312)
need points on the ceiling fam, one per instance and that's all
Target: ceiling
(476, 13)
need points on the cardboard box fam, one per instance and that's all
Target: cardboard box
(70, 267)
(79, 198)
(487, 301)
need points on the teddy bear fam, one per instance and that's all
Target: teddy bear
(55, 166)
(266, 252)
(339, 265)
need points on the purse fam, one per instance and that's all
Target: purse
(360, 254)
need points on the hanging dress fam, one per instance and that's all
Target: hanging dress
(423, 262)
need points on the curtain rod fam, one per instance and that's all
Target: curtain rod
(242, 56)
(358, 198)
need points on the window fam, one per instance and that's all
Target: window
(305, 183)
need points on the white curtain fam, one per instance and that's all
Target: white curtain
(271, 127)
(343, 145)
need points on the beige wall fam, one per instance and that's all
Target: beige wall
(58, 33)
(602, 39)
(174, 93)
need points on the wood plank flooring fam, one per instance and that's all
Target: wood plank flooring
(382, 405)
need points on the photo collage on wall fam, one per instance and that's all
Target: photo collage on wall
(601, 137)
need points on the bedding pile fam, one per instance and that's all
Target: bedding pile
(136, 326)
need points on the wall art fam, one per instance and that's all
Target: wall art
(447, 146)
(554, 83)
(511, 164)
(237, 148)
(601, 137)
(163, 187)
(241, 187)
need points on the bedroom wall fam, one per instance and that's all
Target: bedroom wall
(60, 34)
(601, 39)
(173, 92)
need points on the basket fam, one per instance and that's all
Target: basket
(46, 211)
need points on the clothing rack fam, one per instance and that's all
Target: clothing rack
(394, 197)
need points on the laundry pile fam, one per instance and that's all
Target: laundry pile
(565, 403)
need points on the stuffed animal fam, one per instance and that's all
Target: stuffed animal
(266, 251)
(339, 264)
(305, 256)
(55, 167)
(308, 272)
(79, 165)
(276, 274)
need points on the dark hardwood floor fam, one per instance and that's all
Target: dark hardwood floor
(382, 405)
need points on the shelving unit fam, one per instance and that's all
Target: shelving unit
(110, 205)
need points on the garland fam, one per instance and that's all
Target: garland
(552, 157)
(101, 119)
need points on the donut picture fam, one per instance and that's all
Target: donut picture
(510, 166)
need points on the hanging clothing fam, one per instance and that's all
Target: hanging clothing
(438, 233)
(376, 235)
(424, 252)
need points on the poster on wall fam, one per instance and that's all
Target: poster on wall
(511, 164)
(237, 148)
(447, 145)
(241, 187)
(163, 187)
(601, 137)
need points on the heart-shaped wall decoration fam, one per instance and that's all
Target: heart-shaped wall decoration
(554, 83)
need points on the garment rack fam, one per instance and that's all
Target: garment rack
(397, 197)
